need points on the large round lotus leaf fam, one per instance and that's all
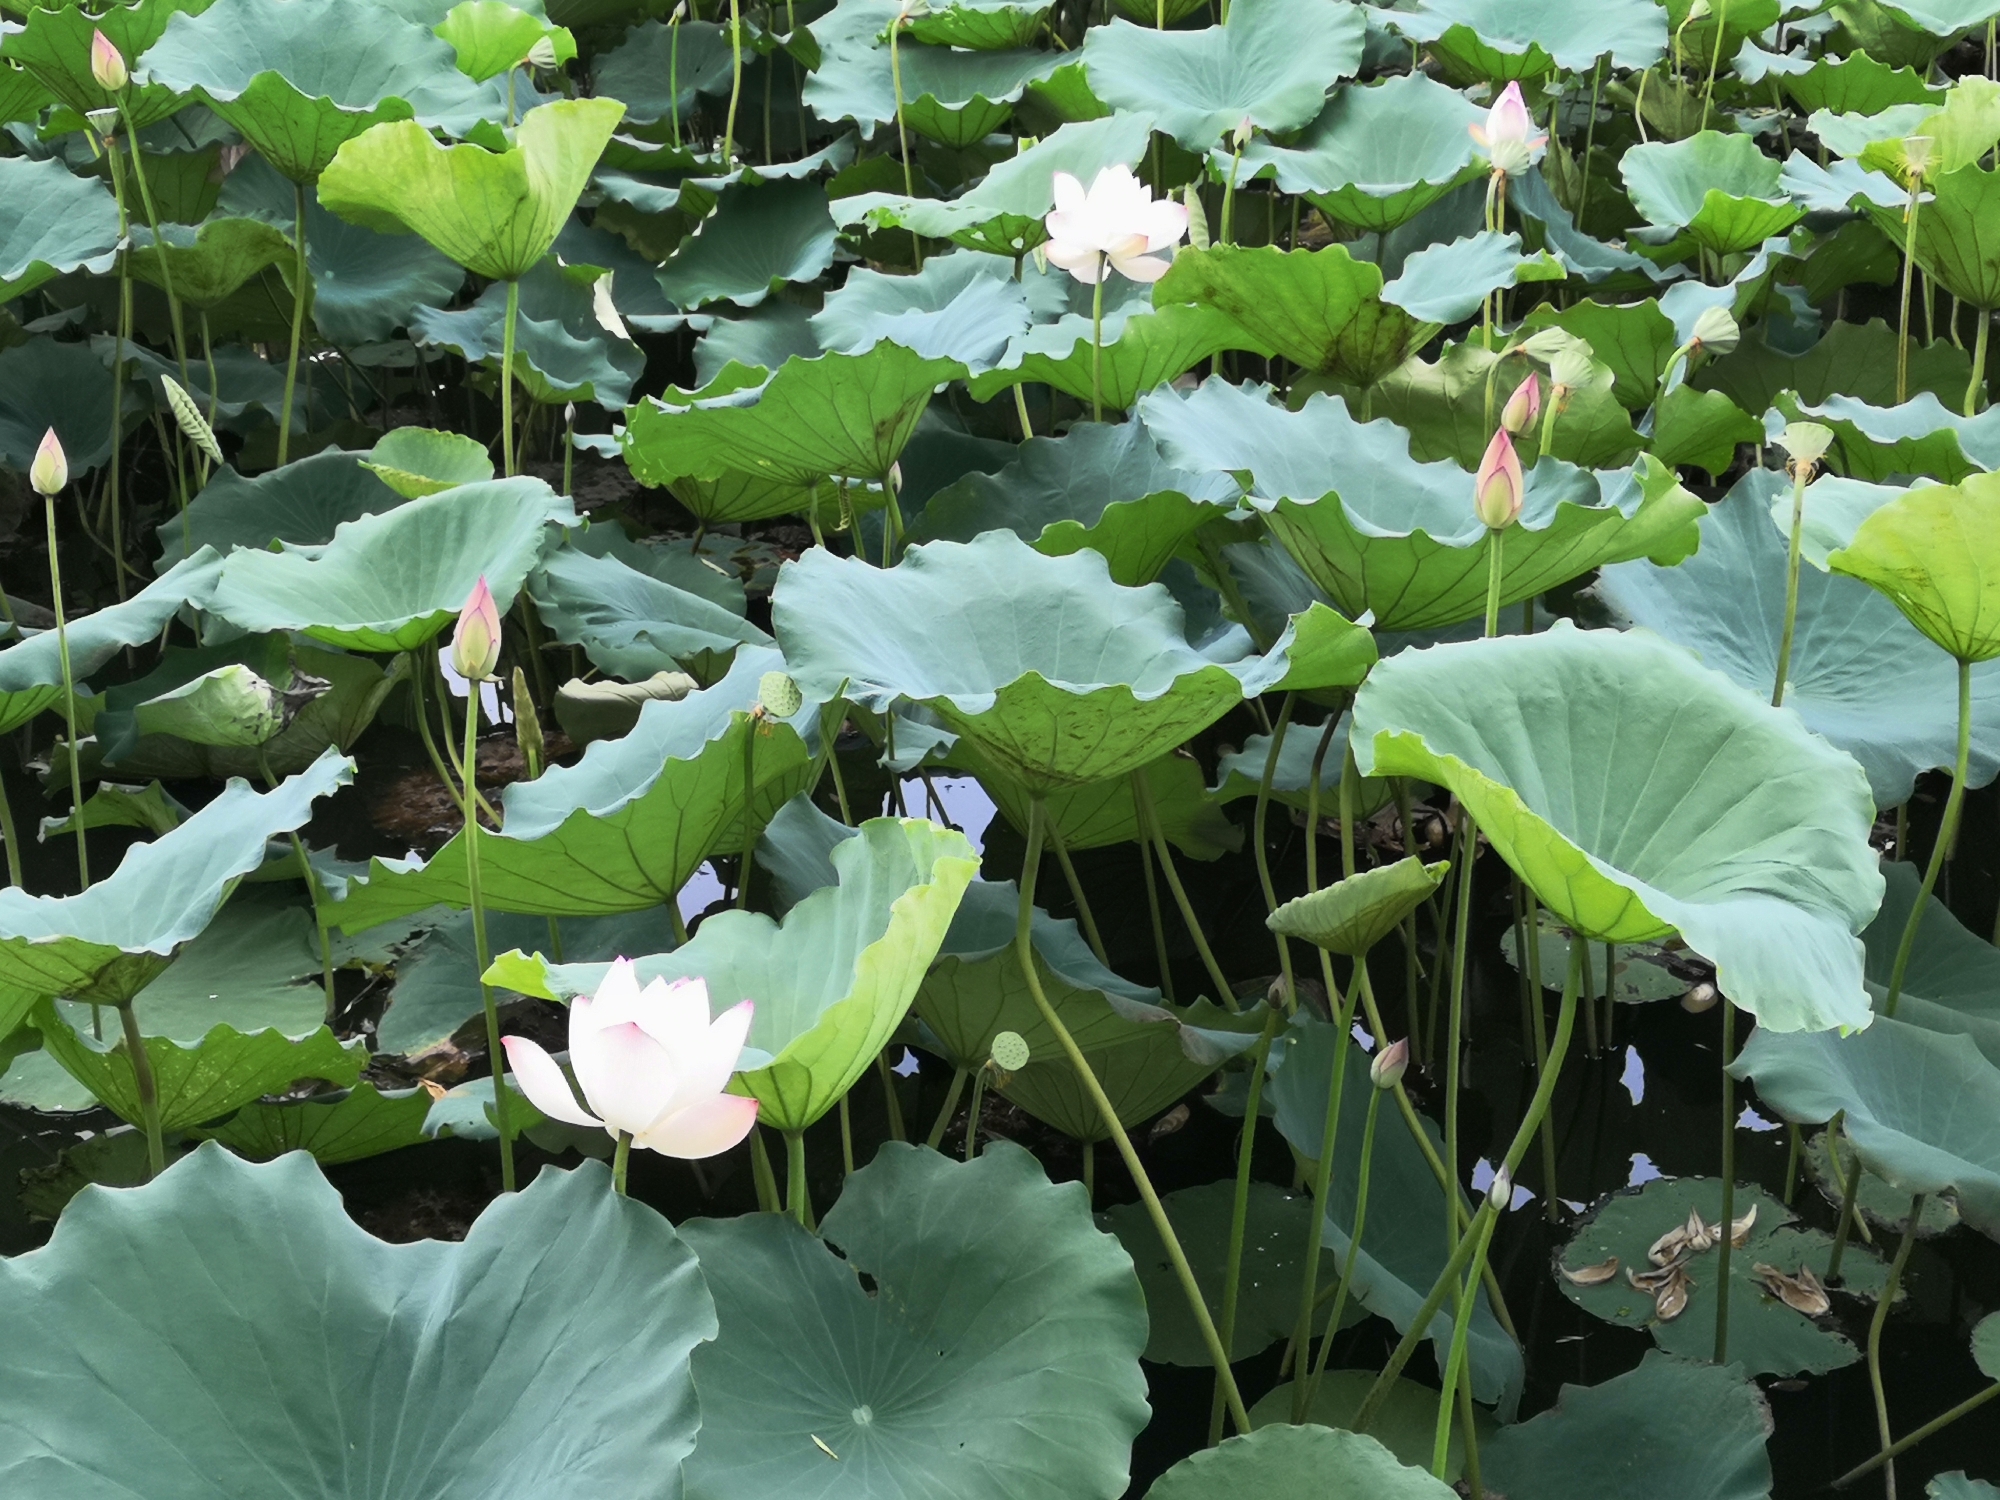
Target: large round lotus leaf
(1952, 984)
(302, 504)
(1403, 1250)
(623, 828)
(760, 237)
(831, 983)
(297, 78)
(1919, 437)
(1297, 1463)
(955, 96)
(168, 1321)
(1321, 309)
(1447, 282)
(491, 37)
(985, 25)
(109, 942)
(1376, 156)
(962, 306)
(1935, 552)
(1104, 487)
(1377, 530)
(51, 222)
(1353, 915)
(632, 624)
(1719, 189)
(53, 44)
(1497, 40)
(1405, 1423)
(562, 352)
(494, 212)
(1958, 234)
(208, 265)
(1270, 63)
(392, 580)
(45, 384)
(1671, 1427)
(1058, 675)
(351, 1126)
(1640, 793)
(993, 1356)
(1852, 85)
(1860, 675)
(1766, 1337)
(840, 414)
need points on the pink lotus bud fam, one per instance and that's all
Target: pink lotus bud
(1497, 487)
(1519, 414)
(50, 470)
(475, 644)
(1390, 1063)
(1508, 132)
(107, 64)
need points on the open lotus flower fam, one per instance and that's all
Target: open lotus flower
(1112, 227)
(651, 1064)
(1497, 487)
(1508, 136)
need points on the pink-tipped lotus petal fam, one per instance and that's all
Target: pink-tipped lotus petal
(629, 1079)
(1165, 222)
(541, 1079)
(710, 1059)
(1141, 267)
(706, 1128)
(1508, 119)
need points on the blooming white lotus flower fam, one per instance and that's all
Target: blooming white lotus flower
(1507, 135)
(1112, 227)
(651, 1064)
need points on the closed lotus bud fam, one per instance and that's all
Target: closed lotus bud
(1716, 331)
(1390, 1064)
(50, 470)
(107, 64)
(1523, 407)
(1501, 1193)
(475, 644)
(1497, 487)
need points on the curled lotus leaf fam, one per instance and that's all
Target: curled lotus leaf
(1499, 40)
(1935, 553)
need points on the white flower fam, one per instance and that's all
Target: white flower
(651, 1064)
(1112, 227)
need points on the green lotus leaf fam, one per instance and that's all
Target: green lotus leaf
(632, 624)
(1672, 1426)
(1270, 63)
(659, 70)
(22, 96)
(759, 237)
(108, 943)
(1719, 190)
(1664, 798)
(186, 1363)
(392, 580)
(1405, 1424)
(1495, 41)
(1104, 487)
(1635, 340)
(1353, 915)
(1239, 773)
(51, 222)
(1700, 429)
(491, 37)
(956, 97)
(302, 504)
(1379, 531)
(1860, 675)
(1931, 552)
(1958, 1486)
(832, 982)
(494, 212)
(562, 350)
(256, 967)
(419, 461)
(1443, 406)
(1376, 156)
(1881, 1205)
(984, 25)
(241, 380)
(840, 414)
(1919, 437)
(53, 45)
(31, 670)
(1029, 1391)
(1855, 85)
(962, 307)
(1088, 682)
(1403, 1251)
(707, 571)
(1448, 282)
(1102, 813)
(1321, 309)
(1267, 1308)
(1002, 213)
(624, 828)
(297, 79)
(1963, 130)
(114, 806)
(210, 264)
(360, 1123)
(1854, 359)
(45, 384)
(1950, 984)
(1297, 1463)
(1766, 1337)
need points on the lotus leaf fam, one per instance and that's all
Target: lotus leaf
(418, 461)
(1443, 406)
(632, 624)
(492, 37)
(45, 385)
(1297, 1463)
(1918, 437)
(758, 238)
(562, 349)
(980, 24)
(360, 1123)
(659, 70)
(1102, 813)
(53, 45)
(1661, 798)
(1950, 986)
(1932, 551)
(51, 223)
(188, 1354)
(1353, 915)
(962, 307)
(1447, 282)
(1495, 41)
(957, 97)
(1239, 774)
(1717, 189)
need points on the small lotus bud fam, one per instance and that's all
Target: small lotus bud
(1009, 1052)
(107, 64)
(1274, 992)
(542, 55)
(1240, 136)
(1498, 486)
(188, 414)
(1805, 442)
(475, 644)
(1716, 331)
(1519, 414)
(1501, 1193)
(50, 470)
(1390, 1064)
(1702, 997)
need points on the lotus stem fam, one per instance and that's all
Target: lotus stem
(1322, 1180)
(1978, 362)
(735, 83)
(892, 542)
(1154, 915)
(1909, 268)
(1170, 1241)
(311, 878)
(1142, 798)
(13, 839)
(69, 695)
(1723, 1244)
(890, 1102)
(1800, 472)
(621, 1158)
(902, 133)
(1589, 141)
(120, 338)
(1468, 1243)
(1910, 1440)
(1097, 342)
(569, 447)
(1455, 1361)
(298, 319)
(1083, 911)
(1547, 1133)
(1947, 831)
(1257, 825)
(768, 1201)
(1228, 233)
(1714, 65)
(1401, 786)
(674, 73)
(147, 1089)
(482, 951)
(1455, 1017)
(1794, 1140)
(951, 1096)
(1875, 1326)
(1021, 411)
(1239, 1208)
(1850, 1215)
(507, 378)
(972, 1112)
(1353, 1252)
(159, 245)
(1496, 541)
(798, 1193)
(752, 722)
(846, 1139)
(1610, 997)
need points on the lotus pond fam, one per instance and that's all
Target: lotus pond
(1010, 749)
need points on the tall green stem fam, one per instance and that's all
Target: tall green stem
(1454, 1365)
(735, 83)
(1097, 342)
(1496, 541)
(797, 1193)
(482, 950)
(1724, 1245)
(1799, 474)
(1142, 798)
(1239, 1209)
(1084, 914)
(902, 133)
(621, 1158)
(12, 838)
(750, 728)
(972, 1112)
(1947, 831)
(114, 476)
(1322, 1180)
(1183, 1272)
(153, 224)
(1978, 362)
(299, 283)
(1353, 1246)
(1875, 1326)
(69, 694)
(507, 377)
(1909, 270)
(147, 1089)
(1910, 1440)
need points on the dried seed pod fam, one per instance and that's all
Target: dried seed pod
(1595, 1275)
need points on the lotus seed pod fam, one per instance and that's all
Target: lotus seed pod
(779, 696)
(1716, 331)
(1010, 1051)
(1805, 442)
